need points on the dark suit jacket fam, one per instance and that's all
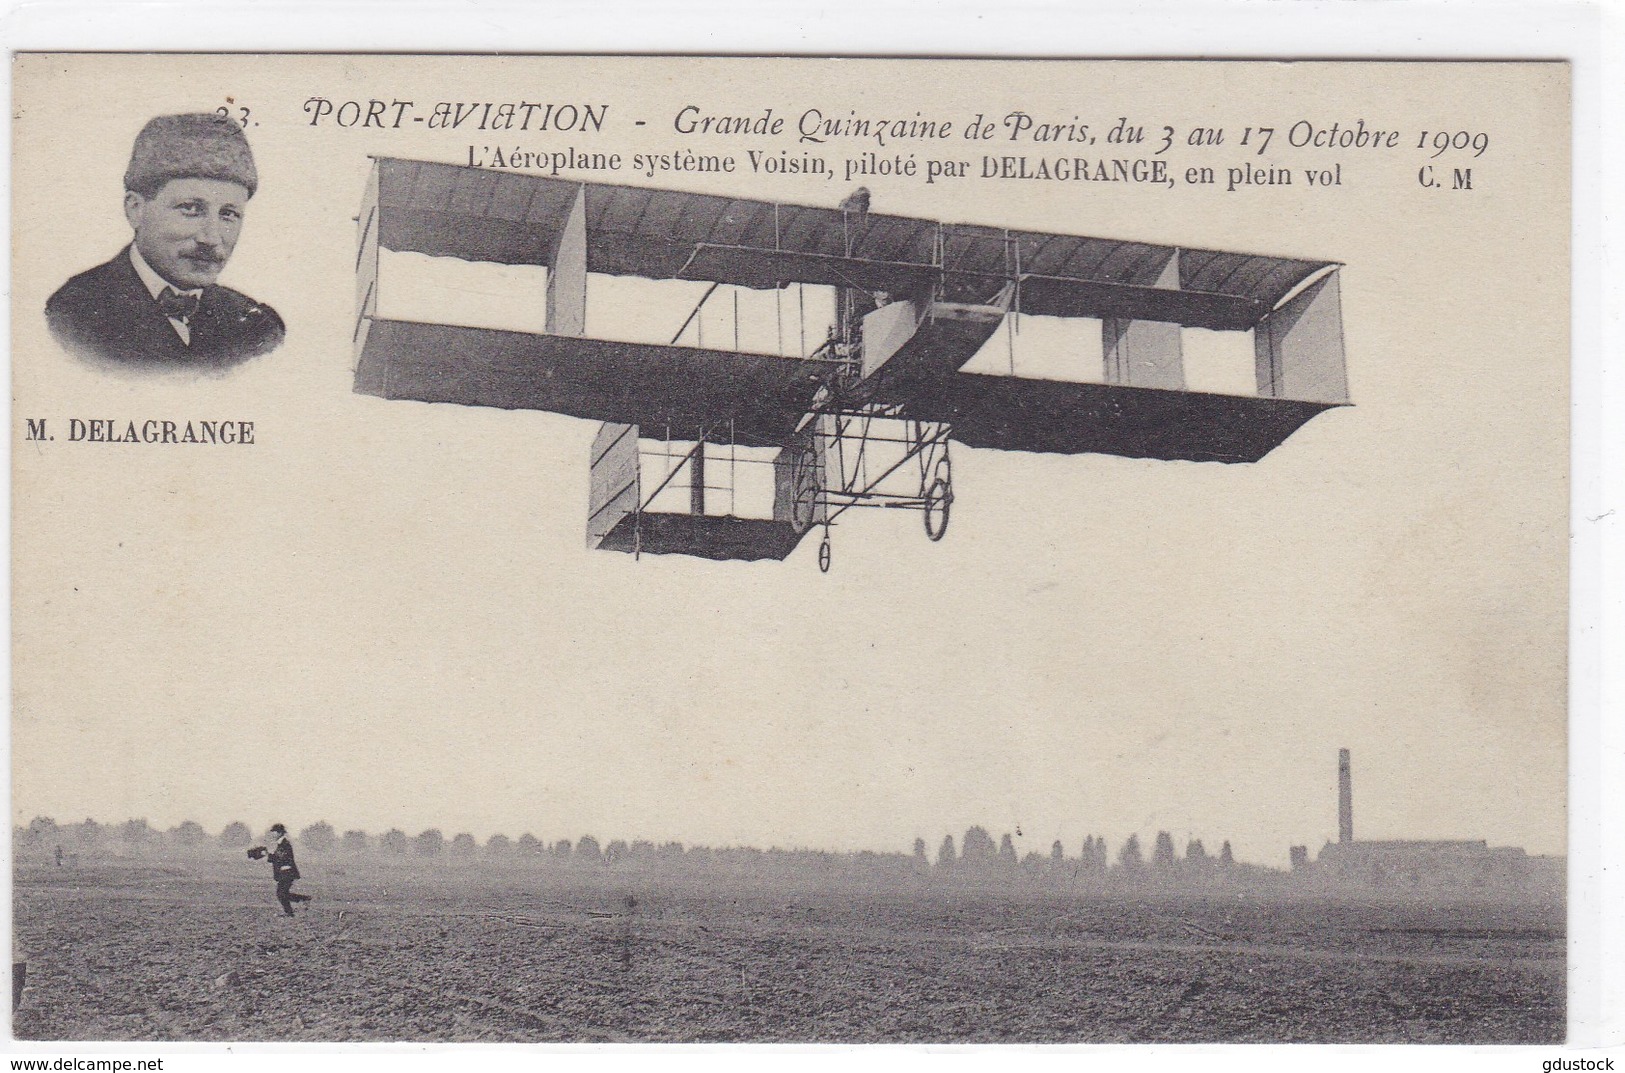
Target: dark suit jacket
(281, 855)
(108, 314)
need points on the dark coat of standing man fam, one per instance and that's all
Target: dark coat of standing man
(156, 304)
(279, 851)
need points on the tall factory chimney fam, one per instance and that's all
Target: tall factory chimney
(1345, 798)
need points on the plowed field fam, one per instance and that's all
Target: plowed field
(126, 950)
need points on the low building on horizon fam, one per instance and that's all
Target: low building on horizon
(1467, 866)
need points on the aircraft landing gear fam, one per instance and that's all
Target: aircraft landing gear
(825, 553)
(939, 501)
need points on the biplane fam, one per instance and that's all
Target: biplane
(862, 417)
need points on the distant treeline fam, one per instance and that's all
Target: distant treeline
(976, 853)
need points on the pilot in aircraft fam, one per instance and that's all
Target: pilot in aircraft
(156, 303)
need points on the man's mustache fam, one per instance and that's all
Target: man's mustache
(204, 255)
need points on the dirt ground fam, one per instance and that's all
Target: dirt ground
(167, 950)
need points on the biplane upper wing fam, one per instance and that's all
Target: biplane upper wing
(491, 215)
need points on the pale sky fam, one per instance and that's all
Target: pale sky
(383, 613)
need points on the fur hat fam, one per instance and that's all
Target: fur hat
(198, 145)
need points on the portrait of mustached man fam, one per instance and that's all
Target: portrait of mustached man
(156, 304)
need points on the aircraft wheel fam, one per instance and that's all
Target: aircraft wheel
(824, 556)
(939, 499)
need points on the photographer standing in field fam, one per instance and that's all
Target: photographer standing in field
(279, 851)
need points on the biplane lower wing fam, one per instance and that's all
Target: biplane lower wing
(1062, 417)
(683, 393)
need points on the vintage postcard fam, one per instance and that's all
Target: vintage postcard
(682, 549)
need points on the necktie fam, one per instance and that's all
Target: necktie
(176, 305)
